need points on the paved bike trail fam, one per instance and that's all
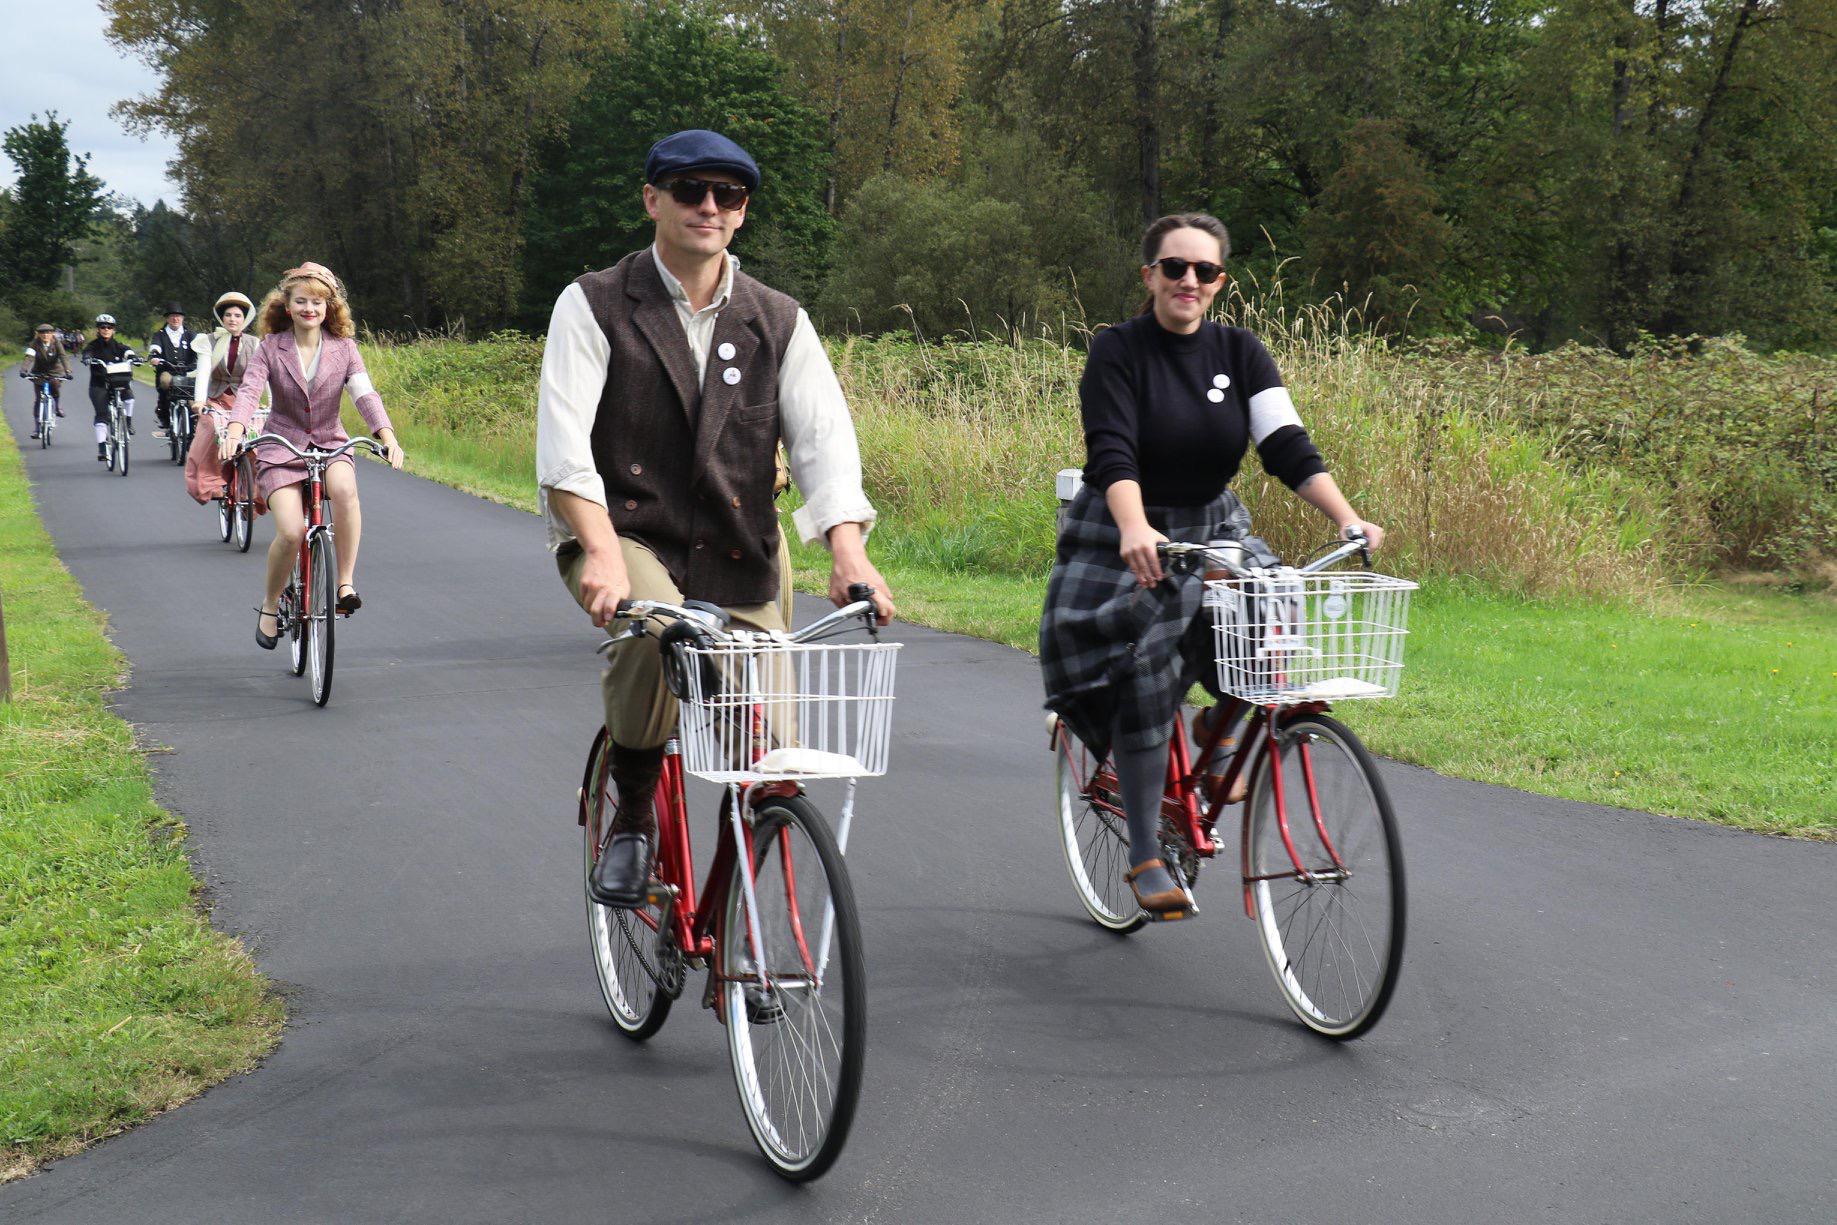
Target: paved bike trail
(1604, 1015)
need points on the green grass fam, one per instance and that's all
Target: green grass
(1547, 652)
(117, 999)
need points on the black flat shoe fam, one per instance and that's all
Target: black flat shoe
(348, 604)
(623, 874)
(266, 642)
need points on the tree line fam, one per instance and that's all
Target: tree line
(1546, 169)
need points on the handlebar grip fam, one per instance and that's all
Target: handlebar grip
(858, 592)
(623, 608)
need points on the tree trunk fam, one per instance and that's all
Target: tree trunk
(1210, 109)
(1620, 309)
(835, 112)
(1685, 251)
(1147, 124)
(899, 90)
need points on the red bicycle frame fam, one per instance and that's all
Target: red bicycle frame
(1189, 778)
(696, 927)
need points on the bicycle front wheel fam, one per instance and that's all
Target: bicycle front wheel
(245, 503)
(1326, 877)
(795, 1002)
(323, 556)
(632, 953)
(1094, 835)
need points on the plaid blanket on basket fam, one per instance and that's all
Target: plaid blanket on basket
(1116, 655)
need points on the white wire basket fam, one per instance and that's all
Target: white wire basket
(1285, 637)
(762, 708)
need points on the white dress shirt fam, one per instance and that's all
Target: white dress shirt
(819, 434)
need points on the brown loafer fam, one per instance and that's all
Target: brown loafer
(1166, 903)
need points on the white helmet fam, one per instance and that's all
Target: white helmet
(105, 321)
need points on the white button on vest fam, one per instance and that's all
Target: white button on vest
(1221, 381)
(730, 376)
(726, 352)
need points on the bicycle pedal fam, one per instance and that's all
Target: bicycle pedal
(1172, 916)
(660, 894)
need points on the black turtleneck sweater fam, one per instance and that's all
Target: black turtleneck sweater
(1176, 412)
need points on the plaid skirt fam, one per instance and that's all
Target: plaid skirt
(1117, 656)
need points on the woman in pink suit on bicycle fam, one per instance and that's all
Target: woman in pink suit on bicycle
(307, 360)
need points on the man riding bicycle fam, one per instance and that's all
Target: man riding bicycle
(46, 362)
(667, 381)
(175, 352)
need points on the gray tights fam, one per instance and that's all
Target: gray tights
(1141, 776)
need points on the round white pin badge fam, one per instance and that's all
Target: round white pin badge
(1221, 381)
(1216, 396)
(726, 351)
(730, 376)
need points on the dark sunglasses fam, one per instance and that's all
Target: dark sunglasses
(728, 197)
(1173, 268)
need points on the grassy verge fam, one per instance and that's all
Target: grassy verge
(1547, 652)
(117, 999)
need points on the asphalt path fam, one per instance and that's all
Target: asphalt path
(1604, 1015)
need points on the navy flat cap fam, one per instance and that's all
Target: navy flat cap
(697, 149)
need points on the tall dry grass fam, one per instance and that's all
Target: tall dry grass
(1532, 474)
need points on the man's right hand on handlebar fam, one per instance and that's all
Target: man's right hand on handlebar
(603, 584)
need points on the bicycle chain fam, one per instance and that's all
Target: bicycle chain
(667, 970)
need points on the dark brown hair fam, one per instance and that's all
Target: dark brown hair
(1152, 237)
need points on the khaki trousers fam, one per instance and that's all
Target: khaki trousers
(640, 712)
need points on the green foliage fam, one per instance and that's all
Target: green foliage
(1007, 248)
(117, 1000)
(49, 208)
(678, 68)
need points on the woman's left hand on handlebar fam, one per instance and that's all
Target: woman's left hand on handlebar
(1374, 535)
(392, 451)
(226, 445)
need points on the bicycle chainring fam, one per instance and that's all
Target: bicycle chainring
(666, 967)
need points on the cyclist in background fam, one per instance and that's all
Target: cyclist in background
(307, 360)
(174, 352)
(1170, 402)
(106, 348)
(225, 358)
(45, 358)
(667, 381)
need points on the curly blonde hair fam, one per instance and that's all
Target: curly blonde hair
(274, 316)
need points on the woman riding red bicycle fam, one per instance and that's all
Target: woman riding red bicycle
(1170, 402)
(307, 359)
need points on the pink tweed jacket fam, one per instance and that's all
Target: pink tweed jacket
(304, 415)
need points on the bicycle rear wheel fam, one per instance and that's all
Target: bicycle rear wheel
(323, 557)
(226, 512)
(1094, 835)
(1332, 931)
(796, 1025)
(293, 624)
(632, 953)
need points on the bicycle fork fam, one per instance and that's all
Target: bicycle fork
(1304, 755)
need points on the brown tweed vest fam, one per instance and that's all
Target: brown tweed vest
(688, 469)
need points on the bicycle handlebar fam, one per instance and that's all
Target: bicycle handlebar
(49, 378)
(1355, 542)
(314, 454)
(712, 621)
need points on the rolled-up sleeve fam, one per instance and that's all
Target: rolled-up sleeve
(574, 361)
(363, 394)
(819, 439)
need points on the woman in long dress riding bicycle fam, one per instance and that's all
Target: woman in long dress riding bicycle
(227, 355)
(1170, 402)
(307, 360)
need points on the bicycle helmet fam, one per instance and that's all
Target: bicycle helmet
(105, 321)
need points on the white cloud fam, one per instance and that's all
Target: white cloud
(57, 62)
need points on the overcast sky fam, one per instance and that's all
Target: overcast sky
(66, 65)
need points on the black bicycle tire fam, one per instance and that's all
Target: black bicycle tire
(849, 954)
(322, 556)
(647, 1025)
(1399, 904)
